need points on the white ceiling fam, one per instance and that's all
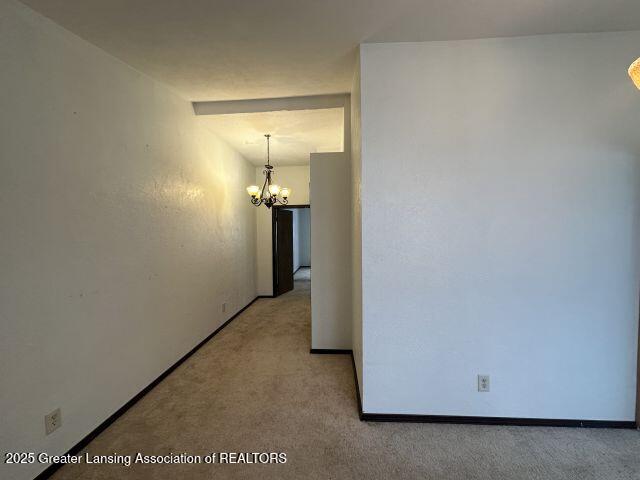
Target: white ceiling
(240, 49)
(295, 134)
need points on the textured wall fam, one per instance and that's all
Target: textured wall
(500, 202)
(331, 252)
(124, 229)
(355, 174)
(304, 227)
(296, 238)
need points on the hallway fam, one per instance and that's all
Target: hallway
(463, 178)
(255, 388)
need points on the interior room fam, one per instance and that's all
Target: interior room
(301, 238)
(283, 239)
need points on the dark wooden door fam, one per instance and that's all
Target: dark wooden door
(284, 250)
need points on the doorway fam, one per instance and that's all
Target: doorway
(291, 235)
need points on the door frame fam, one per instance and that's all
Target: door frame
(274, 243)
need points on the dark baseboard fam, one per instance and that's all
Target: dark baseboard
(103, 426)
(264, 296)
(304, 266)
(330, 351)
(470, 420)
(513, 421)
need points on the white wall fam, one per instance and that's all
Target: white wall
(296, 238)
(500, 183)
(296, 178)
(304, 235)
(124, 228)
(331, 252)
(355, 173)
(301, 237)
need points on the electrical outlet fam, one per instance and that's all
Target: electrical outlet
(52, 421)
(483, 383)
(224, 307)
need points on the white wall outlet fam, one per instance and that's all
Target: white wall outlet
(224, 307)
(52, 421)
(483, 383)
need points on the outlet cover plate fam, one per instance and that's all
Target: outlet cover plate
(484, 383)
(53, 421)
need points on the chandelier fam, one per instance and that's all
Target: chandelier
(270, 194)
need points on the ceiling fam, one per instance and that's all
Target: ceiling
(294, 134)
(241, 49)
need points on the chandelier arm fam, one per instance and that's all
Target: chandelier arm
(267, 182)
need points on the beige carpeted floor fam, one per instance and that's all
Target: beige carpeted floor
(255, 388)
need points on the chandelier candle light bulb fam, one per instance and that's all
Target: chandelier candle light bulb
(269, 194)
(274, 189)
(634, 72)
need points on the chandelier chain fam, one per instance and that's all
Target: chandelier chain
(268, 157)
